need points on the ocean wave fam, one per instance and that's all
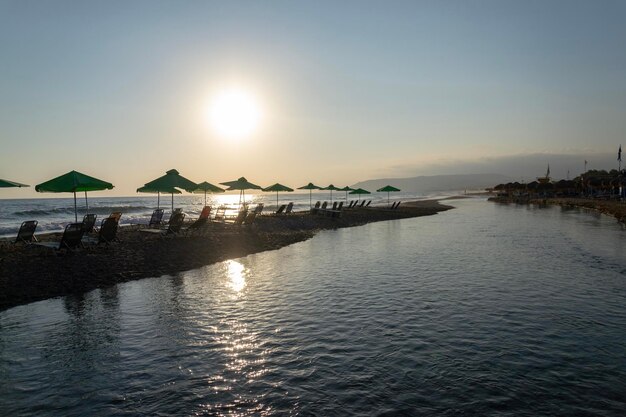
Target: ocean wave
(43, 212)
(70, 210)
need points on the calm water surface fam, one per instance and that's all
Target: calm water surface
(482, 310)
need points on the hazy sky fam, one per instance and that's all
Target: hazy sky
(348, 90)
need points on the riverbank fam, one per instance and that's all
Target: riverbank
(612, 208)
(32, 273)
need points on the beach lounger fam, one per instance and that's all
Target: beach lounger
(220, 214)
(116, 215)
(397, 205)
(26, 234)
(258, 209)
(334, 212)
(107, 232)
(289, 208)
(281, 209)
(173, 226)
(202, 220)
(71, 239)
(157, 217)
(362, 204)
(175, 223)
(324, 205)
(315, 208)
(393, 206)
(368, 203)
(89, 221)
(241, 216)
(250, 218)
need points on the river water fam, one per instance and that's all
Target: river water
(483, 310)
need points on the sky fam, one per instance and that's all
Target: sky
(347, 91)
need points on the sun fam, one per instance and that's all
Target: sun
(234, 113)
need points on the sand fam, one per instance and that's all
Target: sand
(30, 273)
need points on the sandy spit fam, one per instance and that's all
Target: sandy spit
(30, 273)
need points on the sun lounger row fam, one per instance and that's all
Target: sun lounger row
(77, 234)
(244, 217)
(324, 210)
(354, 204)
(107, 231)
(74, 234)
(285, 209)
(174, 225)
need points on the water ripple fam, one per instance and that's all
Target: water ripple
(484, 310)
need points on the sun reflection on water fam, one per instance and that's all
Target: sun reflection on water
(236, 276)
(243, 357)
(233, 199)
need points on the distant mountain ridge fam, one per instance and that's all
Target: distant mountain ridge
(424, 184)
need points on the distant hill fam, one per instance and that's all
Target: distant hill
(425, 184)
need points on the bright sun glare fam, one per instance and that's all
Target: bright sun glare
(234, 114)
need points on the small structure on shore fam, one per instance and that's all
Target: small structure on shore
(545, 179)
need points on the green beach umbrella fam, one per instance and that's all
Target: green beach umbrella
(359, 191)
(310, 186)
(331, 188)
(346, 189)
(73, 182)
(241, 184)
(278, 188)
(387, 189)
(7, 183)
(207, 187)
(165, 184)
(145, 189)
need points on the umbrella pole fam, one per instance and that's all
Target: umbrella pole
(172, 202)
(205, 197)
(86, 204)
(276, 200)
(387, 197)
(75, 213)
(158, 199)
(310, 198)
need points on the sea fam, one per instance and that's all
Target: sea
(485, 310)
(53, 214)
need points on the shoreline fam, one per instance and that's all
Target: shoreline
(615, 209)
(29, 273)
